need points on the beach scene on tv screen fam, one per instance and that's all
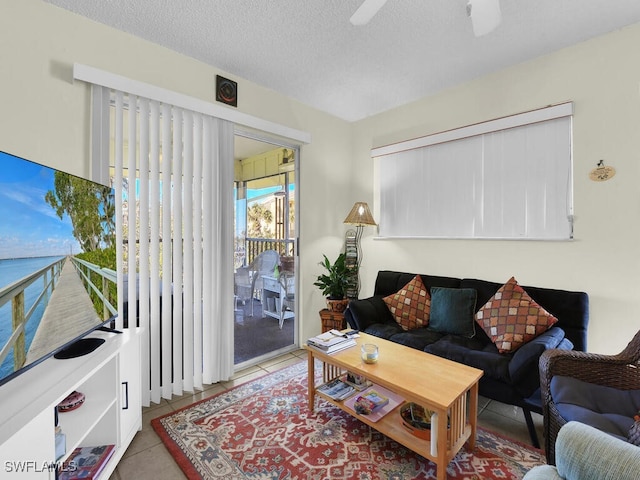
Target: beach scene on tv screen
(57, 260)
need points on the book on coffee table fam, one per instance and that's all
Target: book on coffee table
(330, 342)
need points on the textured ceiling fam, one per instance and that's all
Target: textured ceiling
(308, 50)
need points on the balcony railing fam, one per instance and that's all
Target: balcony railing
(255, 246)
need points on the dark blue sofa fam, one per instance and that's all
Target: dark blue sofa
(511, 378)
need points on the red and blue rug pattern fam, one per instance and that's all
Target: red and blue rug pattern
(264, 430)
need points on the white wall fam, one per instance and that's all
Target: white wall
(45, 117)
(602, 78)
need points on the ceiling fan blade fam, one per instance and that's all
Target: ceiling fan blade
(485, 15)
(366, 11)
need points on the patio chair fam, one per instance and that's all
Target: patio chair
(288, 300)
(599, 390)
(249, 279)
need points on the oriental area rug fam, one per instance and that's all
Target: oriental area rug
(264, 430)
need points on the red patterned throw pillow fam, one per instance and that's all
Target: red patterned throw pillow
(411, 305)
(511, 317)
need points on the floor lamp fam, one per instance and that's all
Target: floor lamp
(360, 216)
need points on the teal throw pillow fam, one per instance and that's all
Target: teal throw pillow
(453, 311)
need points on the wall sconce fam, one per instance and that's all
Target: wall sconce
(360, 216)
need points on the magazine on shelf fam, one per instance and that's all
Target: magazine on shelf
(378, 413)
(337, 389)
(369, 401)
(86, 463)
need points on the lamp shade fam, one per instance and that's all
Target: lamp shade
(360, 215)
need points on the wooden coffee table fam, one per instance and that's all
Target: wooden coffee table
(448, 388)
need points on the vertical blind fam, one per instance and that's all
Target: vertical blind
(502, 180)
(172, 171)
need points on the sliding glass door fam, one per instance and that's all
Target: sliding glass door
(265, 254)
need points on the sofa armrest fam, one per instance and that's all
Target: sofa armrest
(525, 360)
(583, 452)
(362, 313)
(543, 472)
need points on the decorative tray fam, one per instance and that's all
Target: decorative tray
(416, 419)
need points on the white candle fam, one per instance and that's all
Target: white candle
(434, 435)
(369, 353)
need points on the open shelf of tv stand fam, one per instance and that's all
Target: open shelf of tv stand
(109, 378)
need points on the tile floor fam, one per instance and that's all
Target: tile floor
(148, 459)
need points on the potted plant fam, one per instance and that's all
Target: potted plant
(334, 283)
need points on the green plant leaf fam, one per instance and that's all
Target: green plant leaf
(335, 282)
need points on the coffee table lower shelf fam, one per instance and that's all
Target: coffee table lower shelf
(391, 426)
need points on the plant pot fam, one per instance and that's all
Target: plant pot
(337, 305)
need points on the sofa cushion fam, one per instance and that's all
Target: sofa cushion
(511, 317)
(452, 311)
(473, 353)
(605, 408)
(525, 360)
(417, 338)
(365, 312)
(410, 306)
(384, 330)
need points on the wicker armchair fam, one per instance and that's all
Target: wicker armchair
(621, 371)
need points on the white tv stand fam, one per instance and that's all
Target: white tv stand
(111, 414)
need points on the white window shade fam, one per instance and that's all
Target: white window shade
(511, 182)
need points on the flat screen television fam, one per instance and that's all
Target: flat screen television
(57, 237)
